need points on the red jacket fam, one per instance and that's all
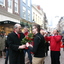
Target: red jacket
(54, 42)
(26, 34)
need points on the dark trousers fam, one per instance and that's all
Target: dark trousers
(0, 53)
(46, 53)
(55, 57)
(16, 58)
(7, 54)
(29, 54)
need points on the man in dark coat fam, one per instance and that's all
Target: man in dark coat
(16, 54)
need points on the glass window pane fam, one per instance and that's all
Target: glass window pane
(10, 3)
(24, 12)
(28, 15)
(24, 1)
(29, 3)
(16, 5)
(1, 2)
(16, 1)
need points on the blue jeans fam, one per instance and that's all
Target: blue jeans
(29, 54)
(7, 54)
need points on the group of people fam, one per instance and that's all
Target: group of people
(14, 41)
(54, 40)
(41, 42)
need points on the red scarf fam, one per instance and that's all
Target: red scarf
(18, 34)
(26, 33)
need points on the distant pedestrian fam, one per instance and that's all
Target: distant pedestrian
(2, 44)
(42, 31)
(46, 48)
(7, 51)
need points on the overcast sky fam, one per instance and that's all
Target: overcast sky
(54, 9)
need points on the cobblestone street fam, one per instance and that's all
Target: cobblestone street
(47, 59)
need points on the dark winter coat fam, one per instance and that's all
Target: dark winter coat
(15, 55)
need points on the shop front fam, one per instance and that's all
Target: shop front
(6, 26)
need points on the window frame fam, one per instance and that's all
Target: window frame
(29, 3)
(10, 4)
(3, 2)
(24, 1)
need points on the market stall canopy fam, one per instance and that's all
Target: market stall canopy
(7, 22)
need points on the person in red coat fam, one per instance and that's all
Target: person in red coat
(54, 46)
(26, 32)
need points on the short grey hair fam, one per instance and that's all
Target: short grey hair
(16, 25)
(26, 27)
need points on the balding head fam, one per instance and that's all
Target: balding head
(55, 32)
(17, 28)
(16, 25)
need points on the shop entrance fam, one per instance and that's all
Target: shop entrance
(6, 26)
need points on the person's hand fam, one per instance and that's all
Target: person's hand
(22, 46)
(31, 45)
(27, 44)
(46, 34)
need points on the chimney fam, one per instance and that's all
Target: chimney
(38, 6)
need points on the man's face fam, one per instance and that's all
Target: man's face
(25, 29)
(18, 29)
(34, 30)
(55, 32)
(42, 32)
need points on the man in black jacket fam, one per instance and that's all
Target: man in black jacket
(16, 54)
(39, 46)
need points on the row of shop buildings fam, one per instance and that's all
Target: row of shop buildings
(60, 25)
(20, 11)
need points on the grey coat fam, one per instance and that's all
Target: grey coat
(2, 43)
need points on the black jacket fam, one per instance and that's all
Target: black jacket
(15, 55)
(39, 46)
